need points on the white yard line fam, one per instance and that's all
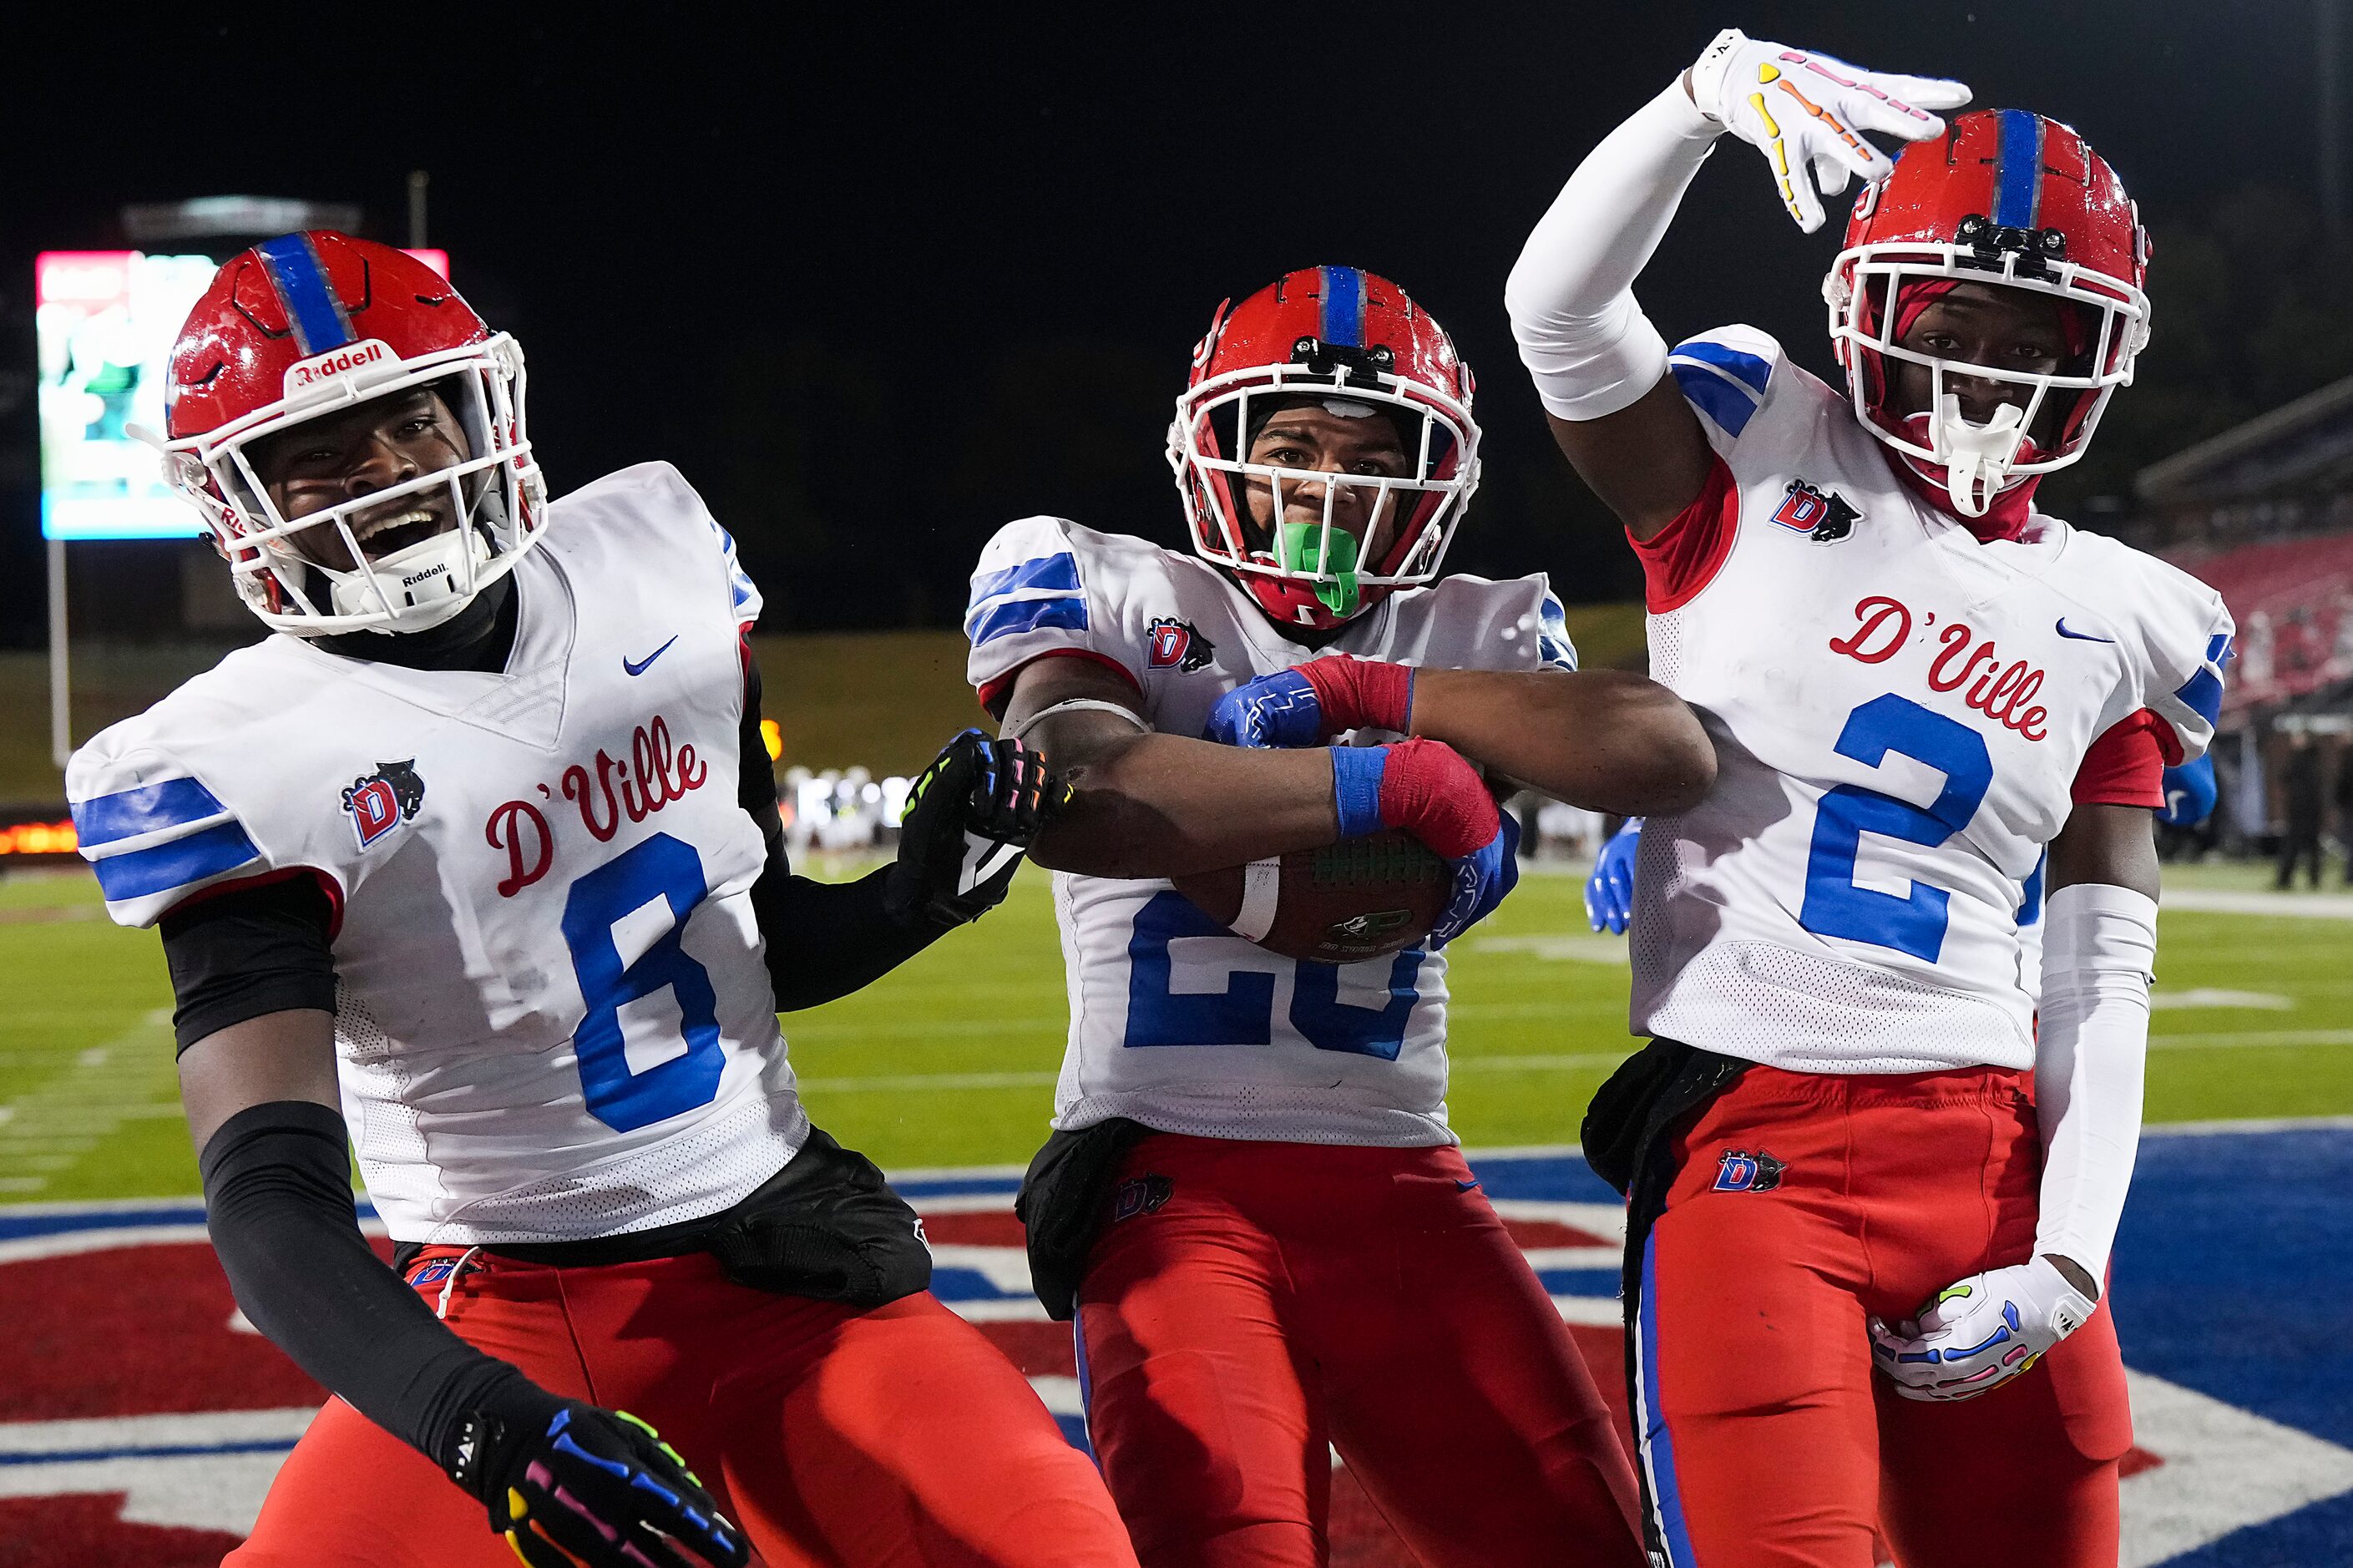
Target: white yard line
(50, 1128)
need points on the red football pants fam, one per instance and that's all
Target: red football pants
(894, 1435)
(1283, 1300)
(1766, 1436)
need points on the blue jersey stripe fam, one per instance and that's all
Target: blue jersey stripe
(1750, 369)
(2030, 899)
(1057, 571)
(1713, 396)
(1344, 307)
(2017, 169)
(222, 847)
(147, 809)
(316, 315)
(1029, 615)
(2202, 695)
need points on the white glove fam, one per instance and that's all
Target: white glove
(1806, 113)
(1979, 1333)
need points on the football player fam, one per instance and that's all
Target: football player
(1871, 1204)
(478, 861)
(1253, 1200)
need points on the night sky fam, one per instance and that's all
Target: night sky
(878, 281)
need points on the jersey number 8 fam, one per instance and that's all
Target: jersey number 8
(665, 869)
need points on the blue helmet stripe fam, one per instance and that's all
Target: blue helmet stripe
(2017, 169)
(1344, 307)
(296, 273)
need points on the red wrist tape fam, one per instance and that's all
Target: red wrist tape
(1431, 791)
(1360, 693)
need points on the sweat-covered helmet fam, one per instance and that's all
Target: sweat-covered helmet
(310, 324)
(2005, 197)
(1356, 342)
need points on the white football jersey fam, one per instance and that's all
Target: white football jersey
(1174, 1021)
(554, 1019)
(1899, 712)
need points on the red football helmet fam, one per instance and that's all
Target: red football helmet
(308, 324)
(1356, 341)
(2009, 197)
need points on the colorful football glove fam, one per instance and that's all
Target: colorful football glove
(1979, 1333)
(1310, 703)
(1807, 112)
(1610, 891)
(968, 818)
(1426, 788)
(594, 1489)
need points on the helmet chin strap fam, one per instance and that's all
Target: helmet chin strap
(1977, 457)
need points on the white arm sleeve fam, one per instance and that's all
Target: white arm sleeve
(2099, 945)
(1586, 343)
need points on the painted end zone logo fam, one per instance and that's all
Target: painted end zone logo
(144, 1419)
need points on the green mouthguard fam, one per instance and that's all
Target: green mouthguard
(1337, 584)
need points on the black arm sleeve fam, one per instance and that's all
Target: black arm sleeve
(277, 1201)
(825, 939)
(240, 955)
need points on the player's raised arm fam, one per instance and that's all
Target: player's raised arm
(1598, 363)
(1605, 740)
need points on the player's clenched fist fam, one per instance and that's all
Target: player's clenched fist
(1979, 1333)
(968, 818)
(1807, 113)
(597, 1488)
(1310, 703)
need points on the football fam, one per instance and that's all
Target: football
(1366, 898)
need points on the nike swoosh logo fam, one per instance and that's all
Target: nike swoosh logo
(2079, 636)
(1462, 1186)
(642, 665)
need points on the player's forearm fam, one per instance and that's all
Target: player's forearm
(1583, 338)
(1604, 740)
(278, 1203)
(827, 940)
(1164, 805)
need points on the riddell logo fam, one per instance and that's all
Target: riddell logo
(341, 362)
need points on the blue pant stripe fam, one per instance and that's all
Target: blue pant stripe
(1658, 1448)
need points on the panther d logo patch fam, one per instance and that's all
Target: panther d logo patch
(1179, 644)
(381, 801)
(1741, 1172)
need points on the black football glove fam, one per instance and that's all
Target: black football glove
(968, 818)
(593, 1489)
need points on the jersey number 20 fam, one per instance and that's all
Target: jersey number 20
(1834, 906)
(1242, 1014)
(667, 869)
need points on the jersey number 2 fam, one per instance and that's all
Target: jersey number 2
(1834, 906)
(661, 868)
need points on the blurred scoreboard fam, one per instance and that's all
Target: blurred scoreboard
(104, 321)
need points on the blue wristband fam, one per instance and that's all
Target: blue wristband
(1357, 788)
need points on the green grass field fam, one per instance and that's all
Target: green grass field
(951, 1061)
